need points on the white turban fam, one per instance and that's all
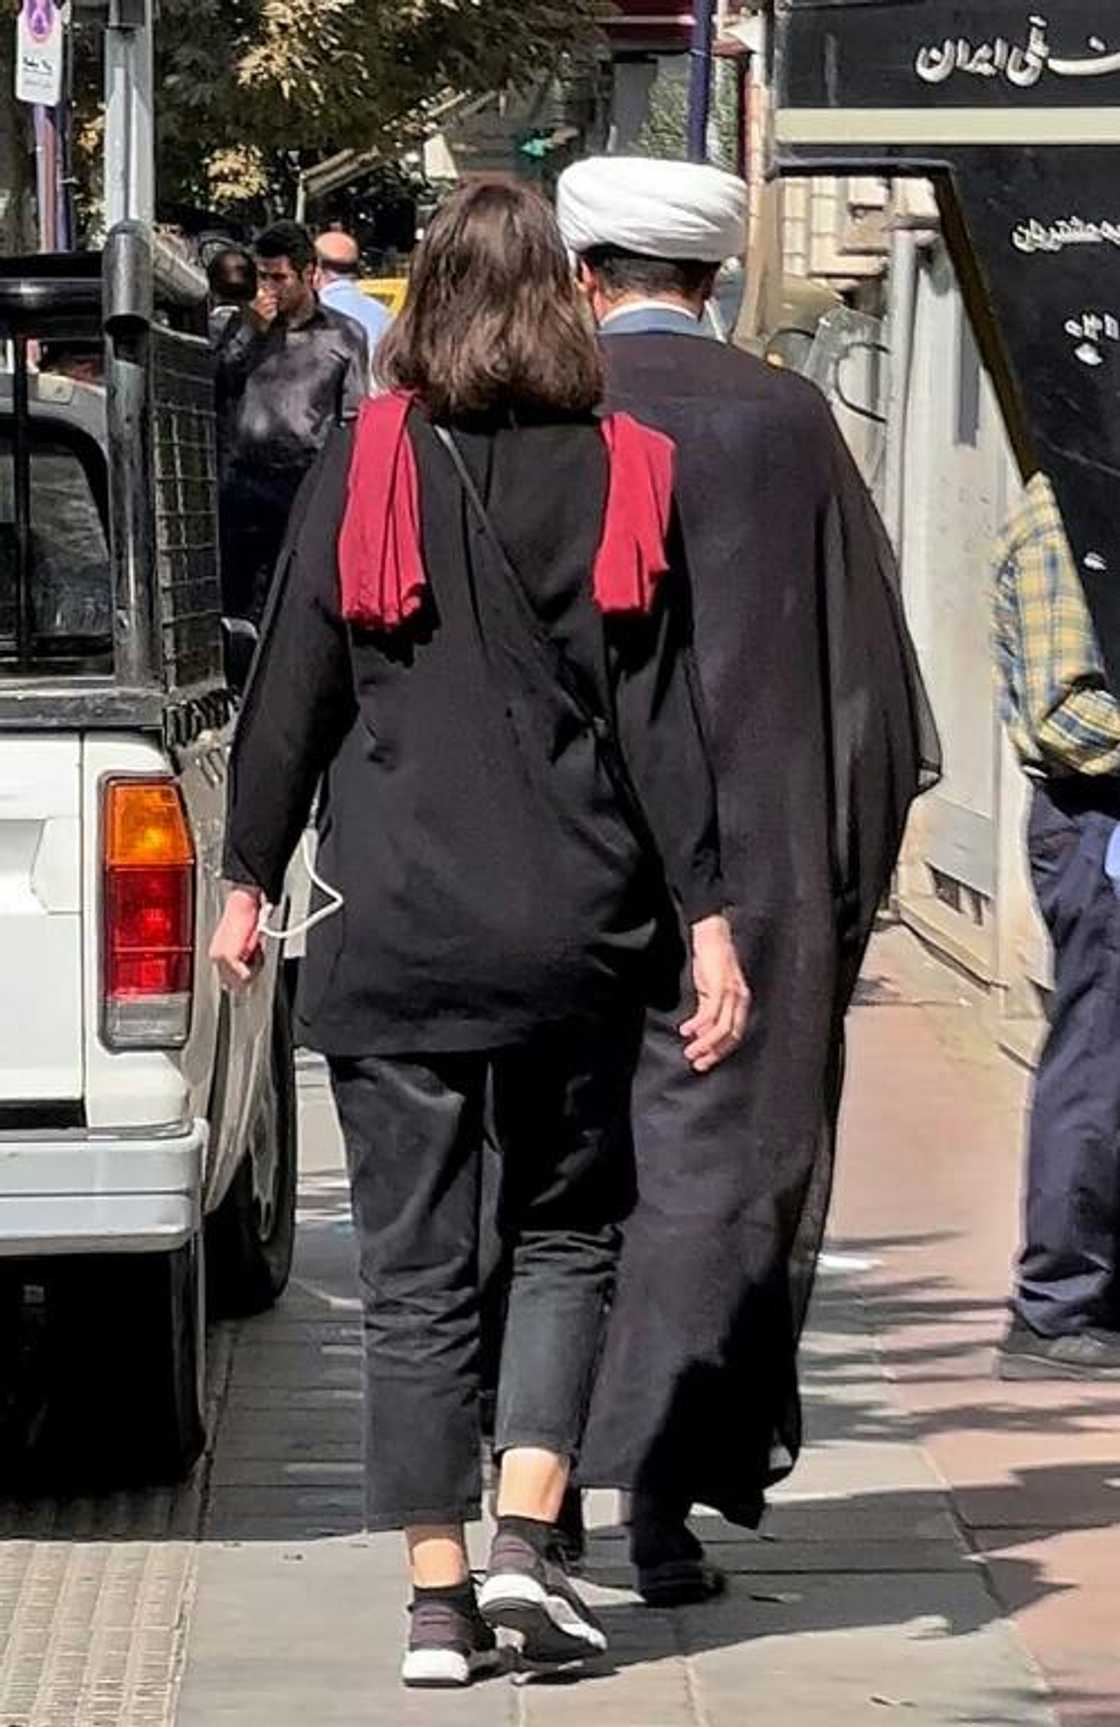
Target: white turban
(677, 210)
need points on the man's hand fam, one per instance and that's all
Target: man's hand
(265, 307)
(720, 1022)
(236, 947)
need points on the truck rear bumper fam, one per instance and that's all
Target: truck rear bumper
(99, 1193)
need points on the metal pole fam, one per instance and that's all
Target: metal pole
(127, 285)
(129, 123)
(64, 127)
(44, 178)
(21, 453)
(700, 78)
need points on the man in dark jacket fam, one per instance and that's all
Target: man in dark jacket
(821, 738)
(288, 369)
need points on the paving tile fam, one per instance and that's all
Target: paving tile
(281, 1365)
(280, 1435)
(294, 1472)
(608, 1560)
(248, 1401)
(931, 1648)
(302, 1635)
(858, 1467)
(1061, 1584)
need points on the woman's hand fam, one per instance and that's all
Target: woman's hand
(236, 947)
(724, 1000)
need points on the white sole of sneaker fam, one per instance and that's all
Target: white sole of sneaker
(544, 1621)
(446, 1669)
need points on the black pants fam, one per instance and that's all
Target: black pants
(414, 1140)
(1067, 1275)
(253, 521)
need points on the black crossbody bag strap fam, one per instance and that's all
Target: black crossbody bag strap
(554, 661)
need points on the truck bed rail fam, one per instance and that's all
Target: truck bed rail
(144, 307)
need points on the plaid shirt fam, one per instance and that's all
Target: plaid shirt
(1061, 714)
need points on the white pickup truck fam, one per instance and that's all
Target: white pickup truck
(147, 1121)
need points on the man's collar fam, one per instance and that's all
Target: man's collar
(653, 318)
(665, 308)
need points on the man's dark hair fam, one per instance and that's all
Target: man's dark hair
(287, 240)
(623, 272)
(493, 319)
(232, 275)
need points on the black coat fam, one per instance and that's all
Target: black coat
(821, 738)
(492, 881)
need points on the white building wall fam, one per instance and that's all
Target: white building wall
(963, 884)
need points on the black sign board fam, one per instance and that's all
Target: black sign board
(1014, 112)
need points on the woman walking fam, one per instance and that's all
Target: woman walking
(477, 643)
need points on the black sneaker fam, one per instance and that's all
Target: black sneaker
(1026, 1354)
(447, 1647)
(533, 1597)
(672, 1568)
(680, 1582)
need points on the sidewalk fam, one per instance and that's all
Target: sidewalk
(929, 1196)
(865, 1594)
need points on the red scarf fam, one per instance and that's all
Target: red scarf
(381, 564)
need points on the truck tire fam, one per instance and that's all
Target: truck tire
(127, 1341)
(170, 1394)
(250, 1238)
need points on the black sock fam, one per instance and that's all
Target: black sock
(459, 1595)
(532, 1530)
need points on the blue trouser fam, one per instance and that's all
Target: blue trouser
(1067, 1274)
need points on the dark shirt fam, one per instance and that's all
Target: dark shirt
(281, 389)
(492, 882)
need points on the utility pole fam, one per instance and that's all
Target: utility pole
(700, 79)
(130, 148)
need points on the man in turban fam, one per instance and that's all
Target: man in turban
(821, 739)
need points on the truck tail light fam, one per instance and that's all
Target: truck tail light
(147, 897)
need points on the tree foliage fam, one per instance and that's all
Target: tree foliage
(251, 89)
(665, 133)
(17, 229)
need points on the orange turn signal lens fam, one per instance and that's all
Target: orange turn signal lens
(145, 824)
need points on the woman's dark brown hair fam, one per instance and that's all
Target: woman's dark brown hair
(493, 318)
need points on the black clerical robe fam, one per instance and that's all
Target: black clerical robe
(821, 737)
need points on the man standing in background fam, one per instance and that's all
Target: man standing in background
(821, 737)
(1065, 724)
(338, 266)
(287, 371)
